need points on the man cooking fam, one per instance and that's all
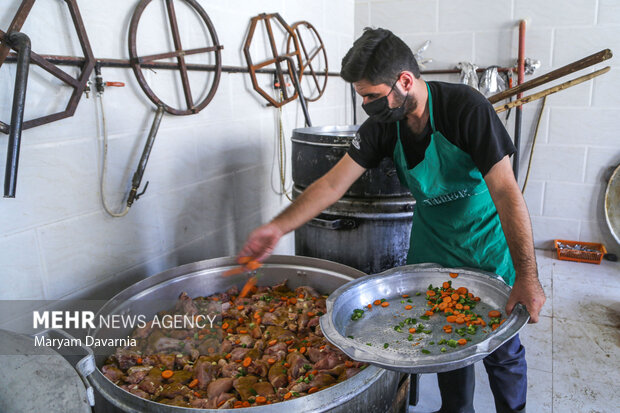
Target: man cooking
(452, 151)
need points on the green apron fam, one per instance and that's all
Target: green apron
(455, 222)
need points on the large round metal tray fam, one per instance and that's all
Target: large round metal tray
(612, 204)
(376, 327)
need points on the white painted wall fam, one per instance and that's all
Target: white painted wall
(210, 174)
(579, 138)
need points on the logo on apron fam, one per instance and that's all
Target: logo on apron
(442, 199)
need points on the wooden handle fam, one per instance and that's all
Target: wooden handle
(551, 90)
(563, 71)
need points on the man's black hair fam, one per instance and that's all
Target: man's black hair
(378, 56)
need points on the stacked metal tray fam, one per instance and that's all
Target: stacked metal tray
(373, 338)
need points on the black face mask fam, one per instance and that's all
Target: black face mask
(379, 110)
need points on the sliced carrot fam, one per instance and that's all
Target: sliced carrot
(465, 307)
(446, 285)
(385, 304)
(460, 320)
(287, 365)
(369, 306)
(429, 313)
(405, 295)
(462, 290)
(292, 301)
(302, 350)
(462, 342)
(288, 395)
(430, 293)
(454, 275)
(139, 361)
(289, 342)
(290, 350)
(244, 260)
(243, 331)
(228, 356)
(251, 282)
(272, 342)
(322, 347)
(408, 307)
(442, 306)
(166, 374)
(311, 314)
(261, 399)
(247, 361)
(313, 390)
(221, 403)
(451, 319)
(447, 299)
(253, 265)
(234, 271)
(377, 302)
(412, 330)
(455, 297)
(271, 361)
(459, 306)
(494, 314)
(193, 383)
(246, 404)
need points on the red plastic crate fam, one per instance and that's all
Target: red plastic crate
(570, 254)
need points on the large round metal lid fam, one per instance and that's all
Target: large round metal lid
(329, 135)
(612, 204)
(37, 379)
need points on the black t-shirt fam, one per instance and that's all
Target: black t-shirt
(462, 115)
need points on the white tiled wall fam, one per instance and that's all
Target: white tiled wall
(579, 137)
(210, 174)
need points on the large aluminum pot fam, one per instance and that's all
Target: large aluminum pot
(316, 150)
(370, 234)
(371, 390)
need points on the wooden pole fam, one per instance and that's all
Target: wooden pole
(554, 89)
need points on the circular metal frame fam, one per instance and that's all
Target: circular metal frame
(179, 53)
(276, 59)
(307, 64)
(77, 83)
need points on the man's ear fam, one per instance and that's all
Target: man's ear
(407, 80)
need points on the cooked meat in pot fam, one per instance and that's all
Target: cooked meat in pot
(267, 348)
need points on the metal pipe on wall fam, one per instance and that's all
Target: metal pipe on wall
(519, 109)
(21, 43)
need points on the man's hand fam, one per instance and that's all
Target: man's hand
(261, 242)
(528, 292)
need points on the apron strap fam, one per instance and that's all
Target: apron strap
(430, 107)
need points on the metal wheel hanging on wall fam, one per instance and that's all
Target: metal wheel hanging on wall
(78, 84)
(137, 62)
(305, 30)
(291, 58)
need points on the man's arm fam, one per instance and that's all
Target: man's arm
(517, 228)
(318, 196)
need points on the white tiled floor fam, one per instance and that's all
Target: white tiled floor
(573, 352)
